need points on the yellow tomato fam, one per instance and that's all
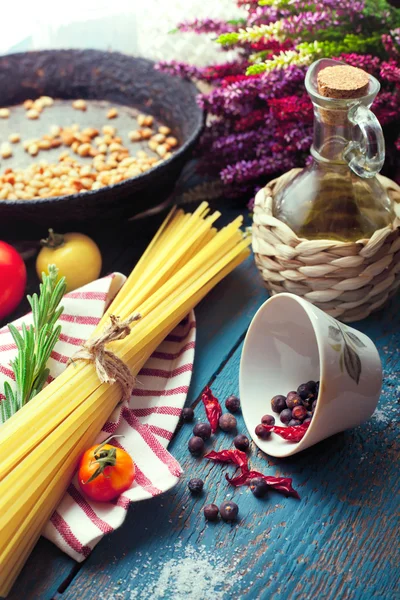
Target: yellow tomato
(76, 256)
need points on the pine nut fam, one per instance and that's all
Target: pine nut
(159, 138)
(146, 133)
(32, 114)
(112, 113)
(5, 150)
(135, 136)
(84, 149)
(97, 185)
(44, 145)
(67, 138)
(55, 131)
(27, 143)
(164, 130)
(114, 147)
(171, 141)
(14, 138)
(79, 105)
(153, 145)
(33, 149)
(108, 129)
(47, 100)
(4, 113)
(161, 150)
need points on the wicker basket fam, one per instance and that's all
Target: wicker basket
(347, 280)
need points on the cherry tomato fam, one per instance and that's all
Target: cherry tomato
(12, 279)
(76, 256)
(105, 472)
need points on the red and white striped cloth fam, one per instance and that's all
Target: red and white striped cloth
(147, 422)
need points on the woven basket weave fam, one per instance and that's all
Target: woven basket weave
(348, 280)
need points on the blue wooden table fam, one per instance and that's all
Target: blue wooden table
(340, 541)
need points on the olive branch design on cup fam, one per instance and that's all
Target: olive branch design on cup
(346, 342)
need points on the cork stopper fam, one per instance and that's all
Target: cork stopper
(342, 81)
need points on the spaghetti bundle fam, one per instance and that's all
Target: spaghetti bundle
(41, 443)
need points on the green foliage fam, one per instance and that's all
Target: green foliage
(34, 344)
(306, 52)
(349, 43)
(376, 8)
(228, 39)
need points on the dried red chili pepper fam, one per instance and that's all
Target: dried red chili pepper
(280, 484)
(213, 408)
(292, 434)
(239, 458)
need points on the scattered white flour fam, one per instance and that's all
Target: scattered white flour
(380, 416)
(197, 575)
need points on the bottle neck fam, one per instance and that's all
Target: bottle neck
(332, 134)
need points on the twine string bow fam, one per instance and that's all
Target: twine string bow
(109, 367)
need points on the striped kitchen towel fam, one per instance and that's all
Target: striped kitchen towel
(147, 421)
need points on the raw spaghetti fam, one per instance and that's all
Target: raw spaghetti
(41, 443)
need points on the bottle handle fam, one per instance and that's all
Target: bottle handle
(366, 155)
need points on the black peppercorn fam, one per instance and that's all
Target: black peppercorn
(278, 403)
(196, 446)
(196, 486)
(227, 422)
(202, 430)
(232, 403)
(241, 442)
(187, 415)
(211, 512)
(261, 432)
(229, 511)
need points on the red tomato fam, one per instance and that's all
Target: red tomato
(12, 279)
(105, 472)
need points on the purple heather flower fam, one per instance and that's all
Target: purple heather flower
(308, 21)
(391, 43)
(238, 98)
(207, 26)
(390, 71)
(368, 63)
(303, 5)
(263, 15)
(248, 138)
(237, 146)
(179, 69)
(246, 170)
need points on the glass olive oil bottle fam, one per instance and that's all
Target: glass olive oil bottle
(338, 196)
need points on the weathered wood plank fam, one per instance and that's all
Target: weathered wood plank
(45, 571)
(339, 541)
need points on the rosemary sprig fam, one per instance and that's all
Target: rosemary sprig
(34, 344)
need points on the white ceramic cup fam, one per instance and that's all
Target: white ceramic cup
(290, 342)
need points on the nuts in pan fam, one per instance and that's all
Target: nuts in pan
(107, 160)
